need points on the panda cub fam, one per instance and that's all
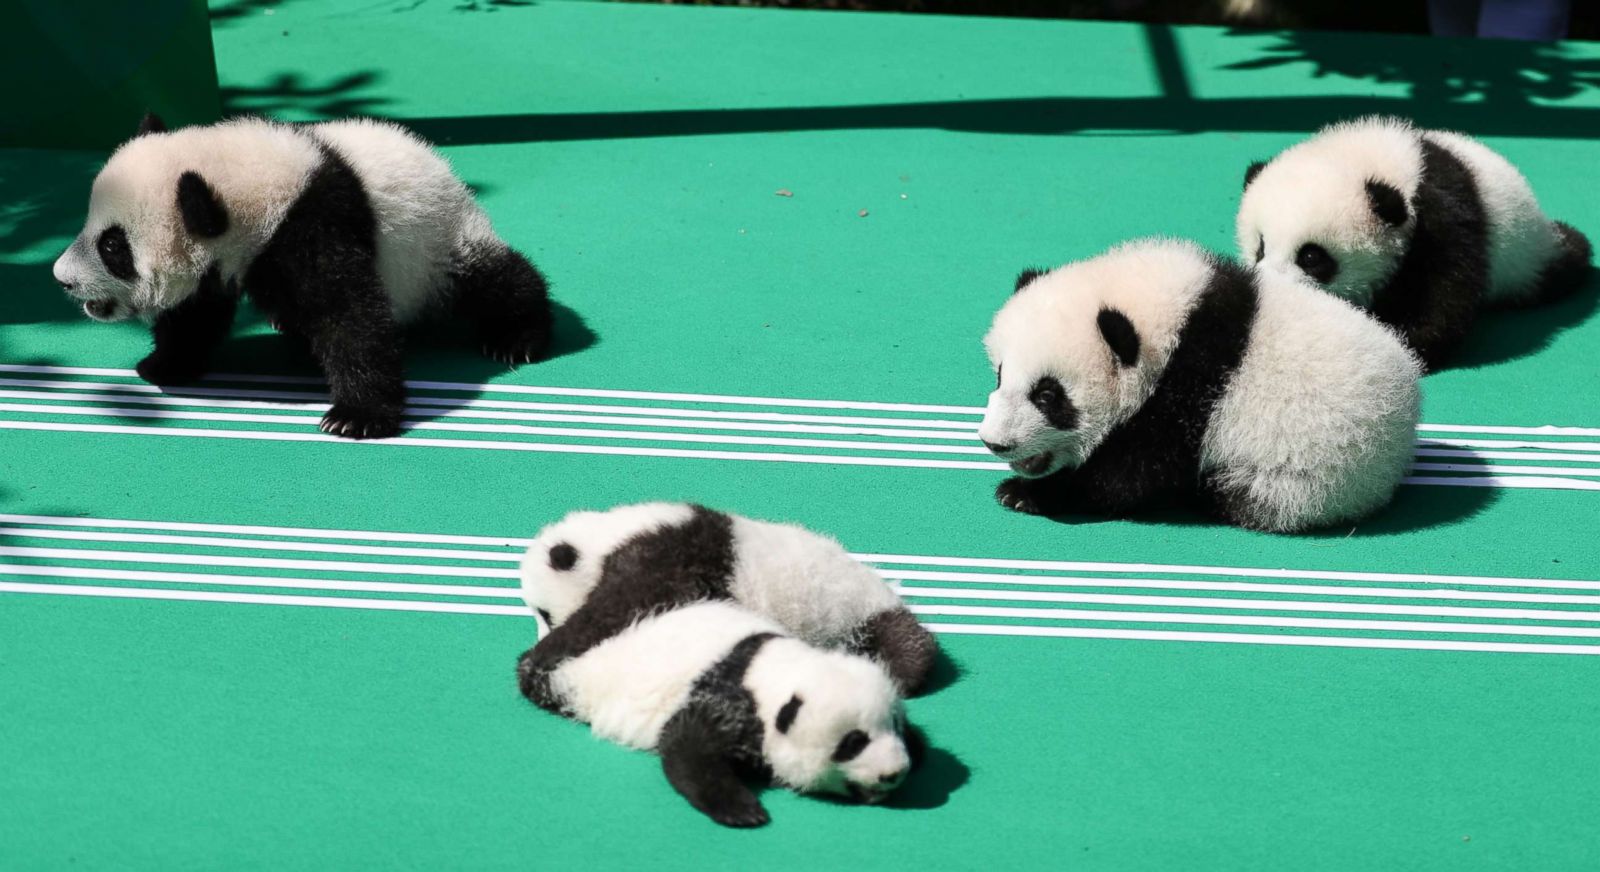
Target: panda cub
(1157, 371)
(342, 233)
(721, 694)
(591, 573)
(1421, 227)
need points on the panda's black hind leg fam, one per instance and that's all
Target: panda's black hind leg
(1571, 267)
(906, 648)
(508, 301)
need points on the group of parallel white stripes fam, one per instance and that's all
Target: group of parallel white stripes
(469, 416)
(416, 572)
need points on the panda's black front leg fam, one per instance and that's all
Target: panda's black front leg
(1036, 496)
(698, 762)
(187, 334)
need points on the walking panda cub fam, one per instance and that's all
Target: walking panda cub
(342, 233)
(1156, 372)
(591, 572)
(721, 694)
(1422, 227)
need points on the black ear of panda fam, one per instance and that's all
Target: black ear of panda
(151, 123)
(786, 714)
(563, 557)
(1387, 203)
(203, 215)
(1026, 276)
(1253, 170)
(1120, 335)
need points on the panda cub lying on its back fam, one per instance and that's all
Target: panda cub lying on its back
(1156, 372)
(341, 233)
(1422, 227)
(720, 693)
(591, 573)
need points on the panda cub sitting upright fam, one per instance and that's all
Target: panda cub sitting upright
(720, 693)
(1422, 227)
(591, 573)
(342, 233)
(1156, 372)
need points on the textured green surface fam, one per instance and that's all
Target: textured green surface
(634, 152)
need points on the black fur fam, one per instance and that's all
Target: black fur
(187, 334)
(902, 644)
(1120, 335)
(851, 746)
(1050, 398)
(1434, 295)
(508, 301)
(202, 212)
(710, 744)
(785, 718)
(112, 246)
(151, 123)
(1026, 276)
(1253, 170)
(1154, 457)
(1387, 202)
(1315, 261)
(655, 571)
(1570, 270)
(563, 557)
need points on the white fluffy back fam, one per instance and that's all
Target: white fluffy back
(594, 535)
(1319, 420)
(805, 581)
(627, 687)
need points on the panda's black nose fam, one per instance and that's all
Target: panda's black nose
(892, 779)
(996, 447)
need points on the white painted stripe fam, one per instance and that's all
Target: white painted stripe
(1257, 605)
(257, 530)
(1503, 469)
(501, 429)
(265, 545)
(1515, 481)
(1259, 621)
(1255, 587)
(1260, 639)
(418, 588)
(146, 394)
(271, 599)
(109, 556)
(1481, 454)
(489, 445)
(941, 628)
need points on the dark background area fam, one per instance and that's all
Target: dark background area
(1394, 16)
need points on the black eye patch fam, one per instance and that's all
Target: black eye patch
(786, 714)
(112, 246)
(563, 557)
(545, 615)
(1316, 262)
(1051, 400)
(851, 746)
(1261, 248)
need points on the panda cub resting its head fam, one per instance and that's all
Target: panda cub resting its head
(723, 695)
(590, 573)
(1157, 372)
(341, 233)
(1421, 227)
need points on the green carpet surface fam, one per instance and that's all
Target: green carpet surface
(776, 239)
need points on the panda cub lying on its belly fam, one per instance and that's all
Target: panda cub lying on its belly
(721, 694)
(592, 572)
(1157, 372)
(342, 233)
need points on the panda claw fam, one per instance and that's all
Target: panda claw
(356, 423)
(1013, 494)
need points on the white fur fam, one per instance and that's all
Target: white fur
(258, 169)
(629, 686)
(1315, 191)
(1316, 425)
(1049, 328)
(804, 581)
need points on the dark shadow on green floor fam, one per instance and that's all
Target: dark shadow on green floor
(1502, 335)
(45, 201)
(290, 97)
(233, 11)
(29, 295)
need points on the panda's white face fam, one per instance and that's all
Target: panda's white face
(1070, 363)
(833, 722)
(1334, 212)
(563, 563)
(132, 258)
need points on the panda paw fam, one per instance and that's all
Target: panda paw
(1016, 494)
(738, 810)
(168, 369)
(513, 347)
(355, 422)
